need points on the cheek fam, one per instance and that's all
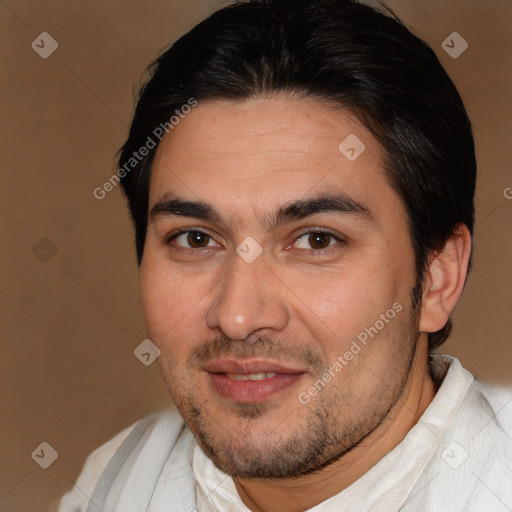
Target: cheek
(171, 304)
(338, 306)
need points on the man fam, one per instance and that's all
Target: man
(301, 178)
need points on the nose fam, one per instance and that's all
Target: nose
(248, 298)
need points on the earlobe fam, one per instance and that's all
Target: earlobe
(445, 280)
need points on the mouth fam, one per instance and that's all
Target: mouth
(250, 376)
(250, 381)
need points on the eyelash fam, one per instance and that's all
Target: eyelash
(187, 251)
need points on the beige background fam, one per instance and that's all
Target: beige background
(70, 324)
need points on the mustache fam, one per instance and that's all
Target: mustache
(254, 346)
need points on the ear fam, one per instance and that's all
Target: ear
(445, 280)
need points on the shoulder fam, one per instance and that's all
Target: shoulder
(491, 408)
(478, 455)
(470, 468)
(482, 401)
(77, 500)
(483, 409)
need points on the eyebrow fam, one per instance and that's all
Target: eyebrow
(289, 212)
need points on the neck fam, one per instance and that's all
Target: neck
(295, 495)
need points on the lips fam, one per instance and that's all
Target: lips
(250, 381)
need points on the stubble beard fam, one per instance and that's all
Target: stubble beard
(322, 438)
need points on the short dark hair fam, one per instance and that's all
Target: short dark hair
(345, 54)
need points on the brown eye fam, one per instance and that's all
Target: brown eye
(197, 239)
(316, 240)
(193, 239)
(319, 240)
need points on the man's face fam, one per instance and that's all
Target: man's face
(334, 278)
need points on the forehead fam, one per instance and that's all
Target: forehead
(268, 151)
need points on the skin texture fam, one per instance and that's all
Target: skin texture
(296, 303)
